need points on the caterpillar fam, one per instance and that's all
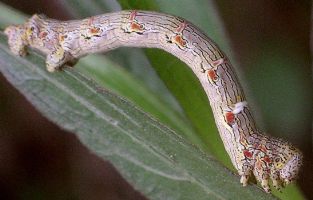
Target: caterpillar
(251, 151)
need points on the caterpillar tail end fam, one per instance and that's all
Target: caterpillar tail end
(281, 166)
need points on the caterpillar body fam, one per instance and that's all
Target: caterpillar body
(251, 151)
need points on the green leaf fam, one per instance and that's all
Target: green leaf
(10, 16)
(111, 76)
(153, 158)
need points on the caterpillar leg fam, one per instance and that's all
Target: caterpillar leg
(263, 177)
(56, 59)
(244, 180)
(276, 180)
(245, 174)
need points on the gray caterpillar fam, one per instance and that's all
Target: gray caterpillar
(251, 152)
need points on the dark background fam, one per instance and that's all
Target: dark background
(39, 160)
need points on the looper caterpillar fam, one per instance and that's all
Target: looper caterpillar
(250, 150)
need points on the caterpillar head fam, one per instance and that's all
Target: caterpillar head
(16, 39)
(19, 36)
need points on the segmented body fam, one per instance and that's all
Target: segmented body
(249, 150)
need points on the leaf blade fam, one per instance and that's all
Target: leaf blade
(118, 131)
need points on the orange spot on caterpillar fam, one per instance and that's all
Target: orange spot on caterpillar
(212, 75)
(62, 37)
(43, 34)
(230, 118)
(247, 153)
(94, 30)
(178, 39)
(267, 159)
(133, 25)
(136, 27)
